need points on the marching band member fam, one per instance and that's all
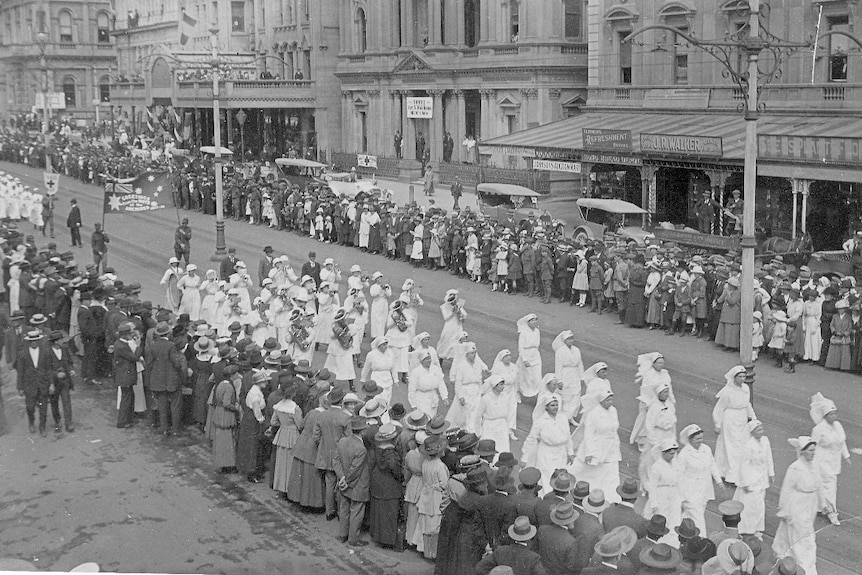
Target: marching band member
(398, 336)
(454, 315)
(380, 294)
(339, 356)
(379, 367)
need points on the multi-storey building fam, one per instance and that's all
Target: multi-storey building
(276, 62)
(480, 68)
(59, 48)
(659, 84)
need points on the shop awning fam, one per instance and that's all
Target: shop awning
(568, 134)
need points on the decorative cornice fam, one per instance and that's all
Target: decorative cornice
(437, 92)
(529, 93)
(487, 93)
(373, 93)
(554, 93)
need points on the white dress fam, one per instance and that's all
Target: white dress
(666, 497)
(14, 287)
(243, 283)
(399, 343)
(548, 446)
(452, 327)
(168, 277)
(529, 376)
(569, 368)
(327, 303)
(650, 381)
(730, 415)
(698, 471)
(493, 414)
(467, 381)
(413, 357)
(208, 303)
(601, 442)
(380, 368)
(755, 470)
(659, 424)
(425, 389)
(339, 360)
(509, 373)
(413, 302)
(800, 500)
(379, 309)
(191, 302)
(813, 340)
(831, 450)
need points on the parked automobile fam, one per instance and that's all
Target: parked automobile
(595, 218)
(504, 202)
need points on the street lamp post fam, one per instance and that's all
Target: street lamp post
(240, 119)
(220, 248)
(42, 39)
(752, 40)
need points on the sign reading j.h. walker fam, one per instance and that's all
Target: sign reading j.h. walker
(823, 150)
(611, 140)
(682, 145)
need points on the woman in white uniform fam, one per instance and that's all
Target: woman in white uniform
(421, 344)
(730, 415)
(597, 459)
(651, 373)
(548, 447)
(831, 450)
(801, 498)
(412, 302)
(427, 387)
(508, 370)
(529, 358)
(190, 285)
(467, 380)
(698, 471)
(665, 495)
(380, 294)
(659, 425)
(454, 315)
(756, 472)
(170, 278)
(379, 367)
(398, 336)
(550, 387)
(209, 287)
(493, 413)
(243, 283)
(569, 368)
(339, 357)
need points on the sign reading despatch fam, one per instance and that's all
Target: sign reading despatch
(601, 139)
(825, 150)
(682, 145)
(557, 166)
(420, 107)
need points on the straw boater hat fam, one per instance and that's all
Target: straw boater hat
(596, 502)
(416, 420)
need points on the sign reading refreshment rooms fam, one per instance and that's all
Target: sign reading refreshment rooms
(682, 145)
(611, 140)
(420, 107)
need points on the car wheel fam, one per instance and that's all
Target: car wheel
(581, 237)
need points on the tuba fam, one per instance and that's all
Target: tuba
(343, 335)
(400, 321)
(300, 336)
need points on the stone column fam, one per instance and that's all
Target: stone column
(556, 111)
(452, 14)
(435, 138)
(484, 21)
(434, 16)
(347, 137)
(394, 115)
(529, 108)
(374, 119)
(407, 18)
(459, 22)
(486, 125)
(456, 117)
(408, 134)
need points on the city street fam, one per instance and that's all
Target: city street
(133, 502)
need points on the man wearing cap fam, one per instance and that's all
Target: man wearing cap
(328, 428)
(731, 515)
(167, 368)
(99, 242)
(73, 222)
(557, 546)
(518, 555)
(704, 210)
(265, 265)
(350, 465)
(127, 361)
(183, 241)
(34, 380)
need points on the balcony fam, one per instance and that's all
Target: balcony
(128, 93)
(247, 93)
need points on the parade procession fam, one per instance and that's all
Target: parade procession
(526, 287)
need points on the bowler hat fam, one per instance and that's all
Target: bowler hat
(486, 448)
(437, 426)
(629, 489)
(657, 526)
(582, 489)
(336, 396)
(506, 459)
(687, 529)
(358, 423)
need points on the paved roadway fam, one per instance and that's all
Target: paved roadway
(182, 488)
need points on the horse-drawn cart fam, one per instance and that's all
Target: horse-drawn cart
(831, 262)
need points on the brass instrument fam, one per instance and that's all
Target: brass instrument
(400, 320)
(458, 308)
(300, 336)
(343, 335)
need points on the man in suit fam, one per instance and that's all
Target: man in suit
(114, 318)
(168, 368)
(127, 353)
(34, 381)
(518, 555)
(328, 429)
(656, 529)
(497, 510)
(527, 497)
(311, 269)
(588, 528)
(61, 373)
(557, 547)
(227, 266)
(350, 464)
(561, 484)
(13, 341)
(73, 222)
(265, 265)
(624, 513)
(612, 553)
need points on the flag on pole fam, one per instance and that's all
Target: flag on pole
(142, 194)
(150, 120)
(187, 27)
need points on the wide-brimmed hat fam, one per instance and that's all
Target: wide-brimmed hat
(433, 445)
(521, 530)
(322, 375)
(33, 335)
(657, 526)
(387, 432)
(618, 541)
(506, 459)
(374, 408)
(397, 411)
(787, 566)
(660, 556)
(437, 426)
(582, 489)
(629, 488)
(416, 420)
(687, 529)
(38, 319)
(562, 481)
(358, 423)
(203, 344)
(486, 448)
(162, 328)
(564, 514)
(467, 442)
(302, 366)
(596, 502)
(698, 549)
(336, 396)
(476, 476)
(370, 388)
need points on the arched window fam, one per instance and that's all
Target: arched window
(65, 25)
(69, 89)
(105, 89)
(103, 32)
(361, 30)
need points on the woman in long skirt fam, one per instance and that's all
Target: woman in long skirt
(728, 322)
(665, 496)
(224, 421)
(493, 413)
(650, 375)
(379, 367)
(755, 476)
(462, 531)
(652, 293)
(453, 323)
(385, 486)
(251, 430)
(569, 368)
(841, 327)
(698, 473)
(209, 288)
(506, 368)
(306, 485)
(548, 447)
(413, 460)
(287, 416)
(635, 314)
(730, 416)
(831, 449)
(801, 498)
(435, 475)
(421, 345)
(205, 348)
(380, 294)
(597, 460)
(529, 358)
(190, 285)
(467, 381)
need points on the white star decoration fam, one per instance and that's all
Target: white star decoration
(159, 188)
(139, 190)
(151, 178)
(114, 202)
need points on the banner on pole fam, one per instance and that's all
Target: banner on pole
(142, 194)
(51, 181)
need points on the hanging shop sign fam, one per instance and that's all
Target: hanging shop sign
(825, 150)
(616, 159)
(557, 166)
(682, 145)
(612, 140)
